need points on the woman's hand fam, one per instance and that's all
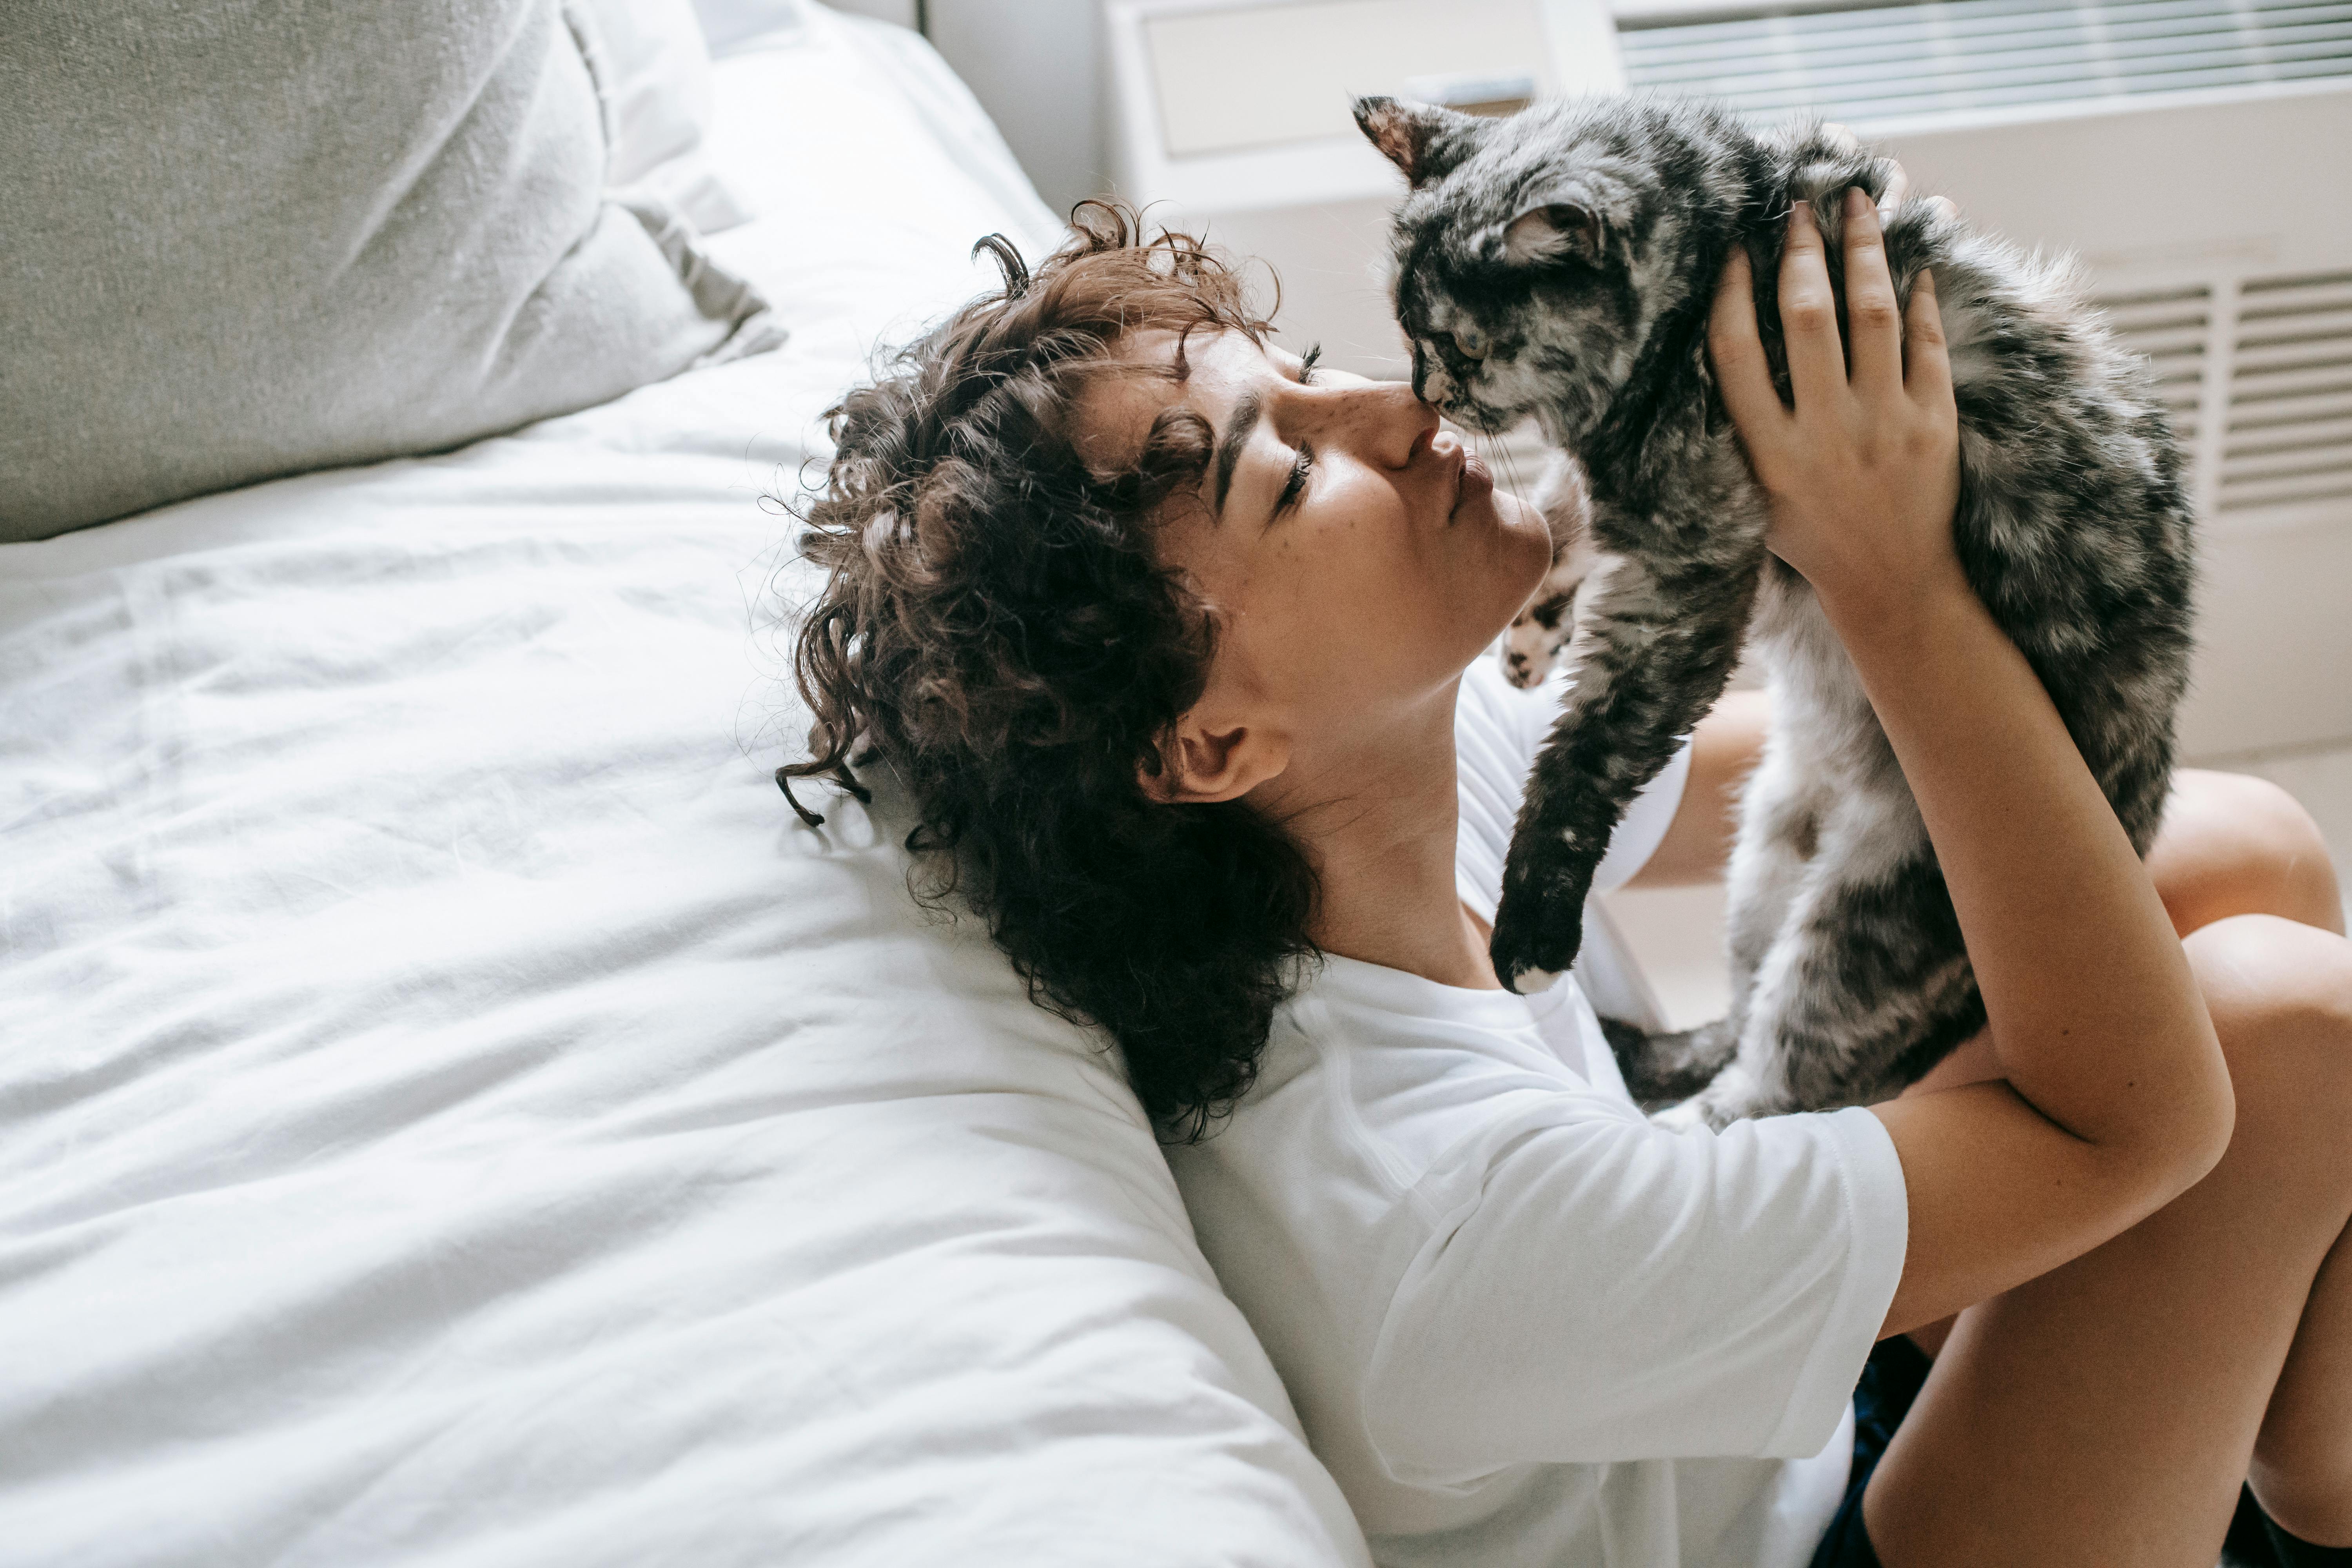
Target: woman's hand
(1862, 474)
(2115, 1098)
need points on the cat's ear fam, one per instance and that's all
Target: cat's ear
(1422, 139)
(1553, 231)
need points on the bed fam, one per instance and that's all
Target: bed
(451, 1111)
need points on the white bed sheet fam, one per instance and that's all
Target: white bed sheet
(451, 1111)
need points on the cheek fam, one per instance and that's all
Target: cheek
(1367, 602)
(1526, 548)
(1494, 563)
(1345, 610)
(1412, 609)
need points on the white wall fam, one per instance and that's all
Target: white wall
(2276, 639)
(1033, 65)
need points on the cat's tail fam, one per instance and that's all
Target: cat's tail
(1668, 1068)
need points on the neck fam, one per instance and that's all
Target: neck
(1380, 827)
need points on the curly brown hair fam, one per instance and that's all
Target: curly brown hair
(996, 627)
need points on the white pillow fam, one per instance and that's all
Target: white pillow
(727, 23)
(246, 239)
(652, 73)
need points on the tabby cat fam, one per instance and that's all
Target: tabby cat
(1559, 265)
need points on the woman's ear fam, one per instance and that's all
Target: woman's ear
(1201, 762)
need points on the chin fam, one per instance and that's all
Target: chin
(1521, 517)
(1530, 547)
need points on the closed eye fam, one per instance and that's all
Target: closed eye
(1295, 485)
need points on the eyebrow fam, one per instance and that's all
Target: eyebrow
(1238, 425)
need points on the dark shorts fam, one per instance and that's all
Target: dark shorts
(1891, 1380)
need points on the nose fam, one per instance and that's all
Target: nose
(1385, 423)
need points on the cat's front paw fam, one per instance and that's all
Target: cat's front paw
(1538, 928)
(1734, 1096)
(1679, 1118)
(1700, 1110)
(1527, 652)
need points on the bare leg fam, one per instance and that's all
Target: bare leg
(2232, 845)
(2105, 1412)
(2245, 841)
(2301, 1469)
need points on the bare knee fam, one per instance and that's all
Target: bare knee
(2280, 992)
(2232, 845)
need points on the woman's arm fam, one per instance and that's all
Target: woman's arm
(2117, 1098)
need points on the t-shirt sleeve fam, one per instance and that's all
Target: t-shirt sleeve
(1596, 1288)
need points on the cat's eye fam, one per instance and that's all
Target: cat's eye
(1470, 342)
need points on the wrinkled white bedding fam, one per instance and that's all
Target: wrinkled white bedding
(451, 1111)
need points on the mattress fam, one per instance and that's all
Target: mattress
(451, 1111)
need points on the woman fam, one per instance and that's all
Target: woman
(1166, 632)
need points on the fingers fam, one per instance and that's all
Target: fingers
(1928, 378)
(1809, 316)
(1898, 185)
(1874, 321)
(1740, 369)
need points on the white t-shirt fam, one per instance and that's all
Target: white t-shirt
(1522, 1324)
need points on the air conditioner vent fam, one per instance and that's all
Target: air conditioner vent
(1972, 55)
(2288, 439)
(2172, 327)
(2256, 373)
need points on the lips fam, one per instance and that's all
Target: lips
(1472, 481)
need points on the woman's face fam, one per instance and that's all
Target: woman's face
(1356, 555)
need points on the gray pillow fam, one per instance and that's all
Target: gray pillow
(247, 238)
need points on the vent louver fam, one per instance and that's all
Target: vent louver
(2172, 327)
(2256, 373)
(1886, 61)
(2288, 439)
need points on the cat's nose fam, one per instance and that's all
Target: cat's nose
(1432, 381)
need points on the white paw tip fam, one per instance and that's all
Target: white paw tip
(1678, 1118)
(1533, 981)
